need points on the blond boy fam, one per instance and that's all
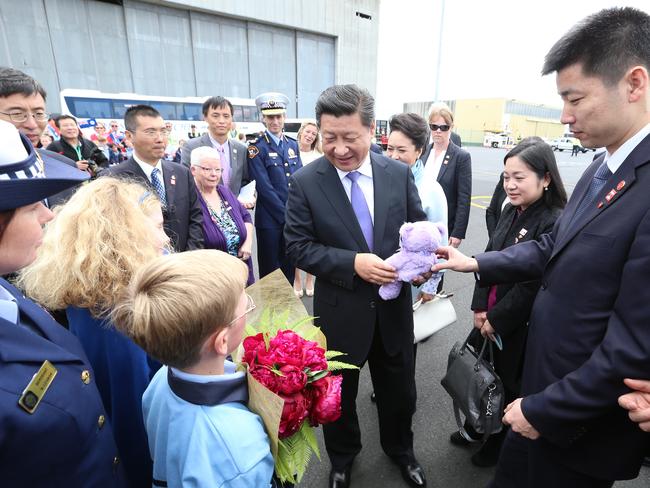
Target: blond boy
(188, 311)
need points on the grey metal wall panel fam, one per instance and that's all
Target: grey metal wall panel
(72, 41)
(109, 41)
(161, 51)
(220, 55)
(315, 69)
(272, 62)
(26, 44)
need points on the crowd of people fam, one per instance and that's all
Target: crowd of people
(146, 255)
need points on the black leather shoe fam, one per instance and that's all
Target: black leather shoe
(459, 439)
(413, 474)
(339, 479)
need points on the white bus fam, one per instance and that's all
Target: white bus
(92, 106)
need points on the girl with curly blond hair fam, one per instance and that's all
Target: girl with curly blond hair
(96, 242)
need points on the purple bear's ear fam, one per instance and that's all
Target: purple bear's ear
(406, 229)
(442, 228)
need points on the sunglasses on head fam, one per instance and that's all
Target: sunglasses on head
(443, 128)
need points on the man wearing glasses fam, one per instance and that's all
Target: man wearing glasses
(22, 103)
(173, 183)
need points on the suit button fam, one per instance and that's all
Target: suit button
(116, 461)
(85, 376)
(286, 164)
(288, 174)
(544, 286)
(372, 304)
(100, 421)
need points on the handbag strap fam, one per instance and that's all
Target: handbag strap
(487, 344)
(461, 427)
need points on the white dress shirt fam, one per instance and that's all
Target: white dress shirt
(615, 160)
(365, 183)
(148, 169)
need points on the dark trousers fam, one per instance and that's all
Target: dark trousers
(393, 379)
(271, 253)
(524, 464)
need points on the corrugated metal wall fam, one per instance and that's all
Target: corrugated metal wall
(152, 49)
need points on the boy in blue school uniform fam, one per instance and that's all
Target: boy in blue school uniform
(188, 310)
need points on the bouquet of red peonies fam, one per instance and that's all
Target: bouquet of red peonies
(290, 380)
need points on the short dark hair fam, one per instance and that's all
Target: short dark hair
(412, 126)
(131, 113)
(339, 100)
(606, 43)
(217, 102)
(13, 81)
(539, 157)
(58, 120)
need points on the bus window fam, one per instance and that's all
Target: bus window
(249, 114)
(167, 109)
(191, 111)
(89, 107)
(237, 113)
(120, 107)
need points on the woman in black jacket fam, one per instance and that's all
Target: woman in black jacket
(533, 185)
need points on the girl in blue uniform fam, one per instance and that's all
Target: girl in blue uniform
(53, 428)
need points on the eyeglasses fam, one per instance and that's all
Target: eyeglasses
(442, 128)
(20, 117)
(113, 125)
(152, 133)
(250, 306)
(211, 170)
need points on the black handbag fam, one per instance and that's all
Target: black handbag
(475, 388)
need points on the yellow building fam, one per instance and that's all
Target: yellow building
(474, 118)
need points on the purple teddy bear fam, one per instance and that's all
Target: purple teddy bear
(419, 241)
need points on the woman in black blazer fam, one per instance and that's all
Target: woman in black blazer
(451, 166)
(532, 182)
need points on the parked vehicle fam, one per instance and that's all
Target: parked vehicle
(501, 139)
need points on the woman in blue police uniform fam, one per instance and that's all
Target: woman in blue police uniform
(53, 427)
(272, 159)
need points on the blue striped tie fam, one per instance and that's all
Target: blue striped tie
(157, 185)
(600, 178)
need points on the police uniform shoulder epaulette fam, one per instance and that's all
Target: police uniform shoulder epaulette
(291, 138)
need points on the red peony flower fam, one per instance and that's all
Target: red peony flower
(292, 381)
(326, 406)
(314, 356)
(287, 349)
(255, 351)
(266, 377)
(295, 411)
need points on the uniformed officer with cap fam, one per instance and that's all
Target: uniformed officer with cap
(272, 159)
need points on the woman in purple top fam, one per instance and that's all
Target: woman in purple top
(227, 225)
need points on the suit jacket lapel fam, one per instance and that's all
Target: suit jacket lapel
(136, 170)
(335, 193)
(382, 189)
(169, 175)
(609, 195)
(447, 161)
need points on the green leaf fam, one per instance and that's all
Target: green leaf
(333, 354)
(267, 340)
(250, 330)
(300, 322)
(316, 375)
(300, 453)
(311, 334)
(283, 468)
(338, 365)
(307, 434)
(280, 320)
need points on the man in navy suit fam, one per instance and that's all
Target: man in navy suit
(172, 182)
(589, 324)
(343, 217)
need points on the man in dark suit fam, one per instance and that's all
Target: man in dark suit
(22, 103)
(218, 114)
(172, 182)
(343, 215)
(589, 324)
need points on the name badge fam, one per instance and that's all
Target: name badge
(36, 389)
(273, 155)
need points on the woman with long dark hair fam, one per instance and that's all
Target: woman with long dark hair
(537, 196)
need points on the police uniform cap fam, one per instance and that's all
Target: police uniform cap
(272, 103)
